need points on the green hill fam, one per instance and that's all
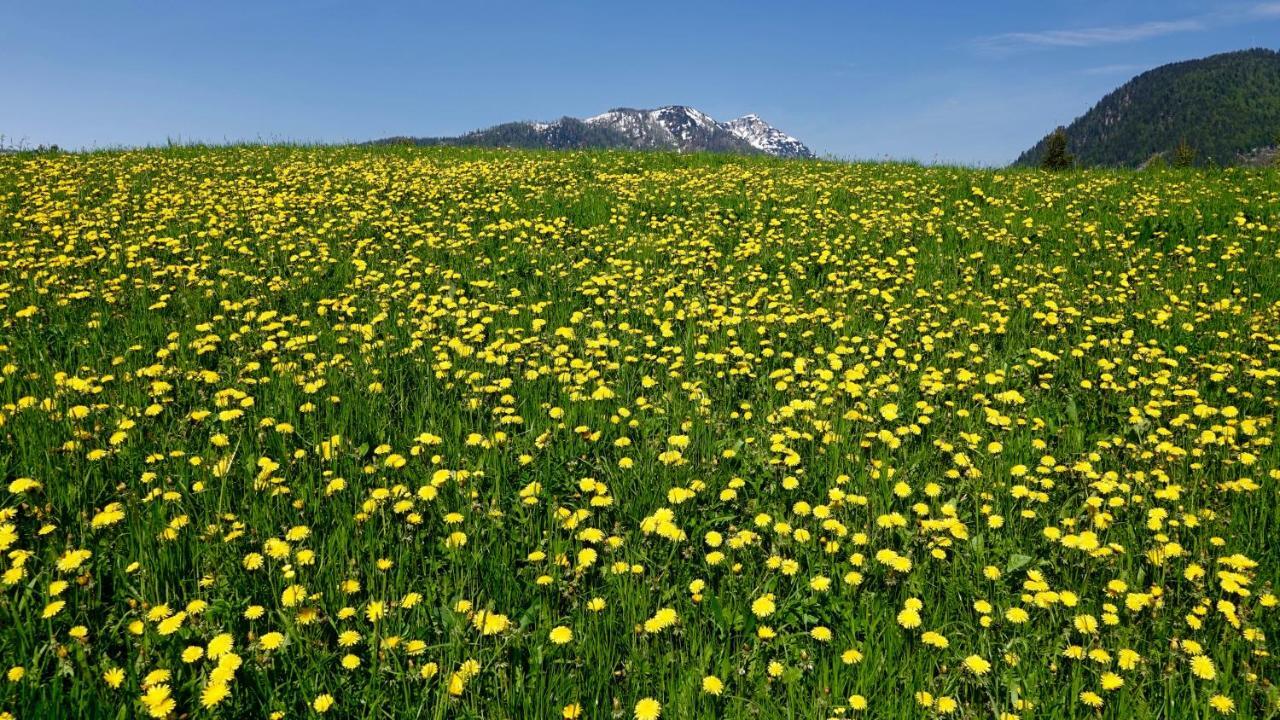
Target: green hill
(1224, 106)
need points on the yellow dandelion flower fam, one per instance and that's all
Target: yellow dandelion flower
(648, 709)
(561, 635)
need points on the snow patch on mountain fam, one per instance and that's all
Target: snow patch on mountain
(641, 127)
(688, 129)
(763, 136)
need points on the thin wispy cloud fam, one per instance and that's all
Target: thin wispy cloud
(1008, 43)
(1086, 37)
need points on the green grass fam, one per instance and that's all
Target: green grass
(767, 311)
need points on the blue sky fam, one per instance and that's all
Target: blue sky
(965, 82)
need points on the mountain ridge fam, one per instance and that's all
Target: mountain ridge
(679, 128)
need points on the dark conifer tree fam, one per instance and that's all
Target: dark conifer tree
(1056, 156)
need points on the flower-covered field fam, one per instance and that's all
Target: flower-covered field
(436, 433)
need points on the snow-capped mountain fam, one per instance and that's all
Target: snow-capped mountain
(673, 127)
(763, 136)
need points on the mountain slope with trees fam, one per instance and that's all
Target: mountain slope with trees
(1224, 107)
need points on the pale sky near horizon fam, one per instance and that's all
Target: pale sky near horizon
(971, 82)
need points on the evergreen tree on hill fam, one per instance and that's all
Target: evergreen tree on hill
(1056, 156)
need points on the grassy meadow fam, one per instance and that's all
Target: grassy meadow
(433, 433)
